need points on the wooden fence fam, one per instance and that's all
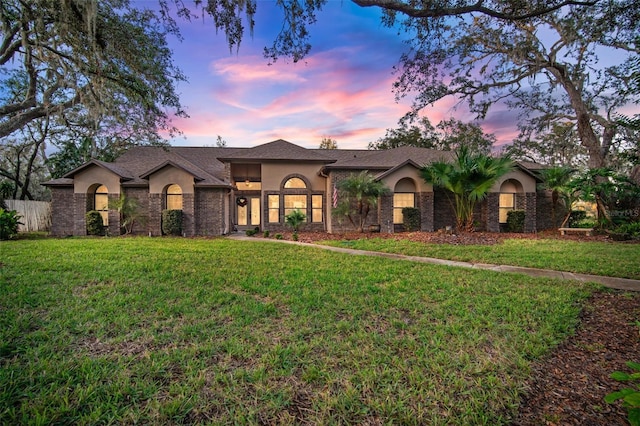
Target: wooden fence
(36, 215)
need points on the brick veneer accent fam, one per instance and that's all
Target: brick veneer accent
(209, 211)
(443, 214)
(62, 211)
(141, 197)
(155, 215)
(372, 218)
(188, 215)
(493, 212)
(385, 213)
(530, 212)
(425, 202)
(113, 228)
(79, 211)
(544, 208)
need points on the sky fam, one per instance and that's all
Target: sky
(342, 90)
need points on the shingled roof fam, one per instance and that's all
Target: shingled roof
(122, 172)
(278, 150)
(390, 158)
(206, 164)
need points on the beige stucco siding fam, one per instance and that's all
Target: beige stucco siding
(159, 180)
(528, 182)
(407, 171)
(95, 175)
(274, 173)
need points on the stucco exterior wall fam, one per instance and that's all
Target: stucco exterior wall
(407, 171)
(170, 175)
(527, 181)
(273, 175)
(94, 175)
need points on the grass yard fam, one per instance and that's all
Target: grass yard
(597, 258)
(140, 330)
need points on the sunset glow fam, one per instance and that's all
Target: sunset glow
(342, 90)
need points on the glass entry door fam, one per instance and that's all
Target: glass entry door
(248, 212)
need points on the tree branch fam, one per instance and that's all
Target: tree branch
(433, 11)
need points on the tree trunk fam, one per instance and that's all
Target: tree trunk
(597, 149)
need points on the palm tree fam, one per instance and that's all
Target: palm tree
(358, 195)
(557, 180)
(469, 178)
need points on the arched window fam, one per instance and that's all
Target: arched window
(173, 197)
(508, 191)
(101, 203)
(403, 196)
(295, 183)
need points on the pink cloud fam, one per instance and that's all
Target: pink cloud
(253, 69)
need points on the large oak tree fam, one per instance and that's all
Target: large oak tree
(550, 66)
(104, 57)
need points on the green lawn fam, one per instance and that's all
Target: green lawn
(140, 330)
(597, 258)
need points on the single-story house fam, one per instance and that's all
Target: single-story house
(222, 189)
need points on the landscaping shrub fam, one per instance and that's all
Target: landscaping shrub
(279, 236)
(515, 221)
(250, 232)
(95, 225)
(265, 234)
(628, 231)
(411, 218)
(295, 219)
(575, 218)
(9, 221)
(172, 222)
(630, 394)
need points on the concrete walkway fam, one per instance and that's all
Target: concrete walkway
(611, 282)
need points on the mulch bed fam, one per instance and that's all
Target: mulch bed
(473, 238)
(569, 385)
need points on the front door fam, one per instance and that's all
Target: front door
(248, 212)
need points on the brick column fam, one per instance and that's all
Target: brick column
(79, 212)
(188, 215)
(155, 214)
(62, 211)
(425, 204)
(493, 212)
(530, 212)
(114, 217)
(385, 213)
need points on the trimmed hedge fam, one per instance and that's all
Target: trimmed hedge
(95, 225)
(172, 222)
(411, 218)
(515, 221)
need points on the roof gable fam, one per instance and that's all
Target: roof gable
(278, 150)
(121, 172)
(170, 163)
(398, 167)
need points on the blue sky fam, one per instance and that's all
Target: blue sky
(342, 90)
